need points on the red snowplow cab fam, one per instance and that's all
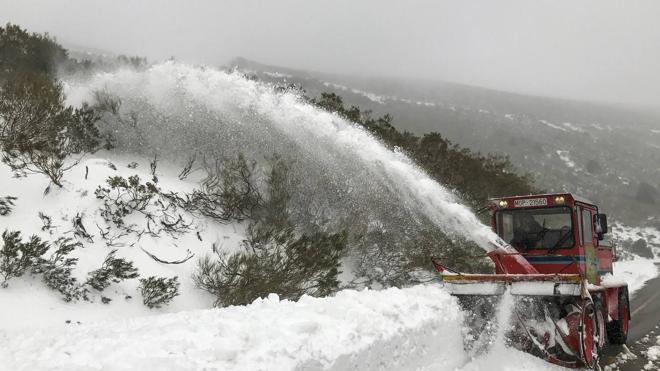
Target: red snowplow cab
(551, 256)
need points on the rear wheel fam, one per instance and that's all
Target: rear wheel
(617, 330)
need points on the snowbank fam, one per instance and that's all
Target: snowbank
(393, 329)
(653, 353)
(501, 358)
(635, 272)
(390, 329)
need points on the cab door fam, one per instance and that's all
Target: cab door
(588, 240)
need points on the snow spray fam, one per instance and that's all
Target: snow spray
(229, 112)
(505, 307)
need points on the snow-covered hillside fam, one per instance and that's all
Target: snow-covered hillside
(28, 303)
(631, 242)
(109, 327)
(414, 328)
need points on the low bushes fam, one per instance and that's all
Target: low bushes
(158, 291)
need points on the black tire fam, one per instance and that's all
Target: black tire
(617, 330)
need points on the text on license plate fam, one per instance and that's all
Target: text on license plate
(528, 202)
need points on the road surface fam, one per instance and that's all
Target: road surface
(645, 320)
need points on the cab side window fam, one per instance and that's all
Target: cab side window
(505, 226)
(578, 219)
(587, 227)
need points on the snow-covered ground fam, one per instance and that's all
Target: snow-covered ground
(564, 156)
(653, 355)
(393, 329)
(27, 303)
(371, 96)
(651, 235)
(635, 272)
(551, 125)
(414, 328)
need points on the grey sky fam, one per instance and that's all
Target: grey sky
(595, 50)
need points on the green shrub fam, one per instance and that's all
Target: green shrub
(56, 272)
(6, 205)
(158, 291)
(112, 270)
(38, 132)
(23, 52)
(228, 193)
(16, 257)
(124, 196)
(273, 262)
(275, 258)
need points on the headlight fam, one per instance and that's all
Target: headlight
(559, 200)
(503, 203)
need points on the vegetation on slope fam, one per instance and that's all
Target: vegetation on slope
(288, 248)
(475, 176)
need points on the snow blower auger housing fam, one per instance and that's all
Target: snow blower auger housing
(553, 259)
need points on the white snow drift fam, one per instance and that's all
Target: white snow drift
(393, 329)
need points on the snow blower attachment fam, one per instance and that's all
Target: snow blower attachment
(553, 261)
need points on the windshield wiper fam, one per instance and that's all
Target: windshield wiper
(560, 242)
(538, 237)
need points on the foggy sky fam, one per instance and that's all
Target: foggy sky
(594, 50)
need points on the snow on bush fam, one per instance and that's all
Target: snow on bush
(112, 270)
(73, 212)
(158, 291)
(6, 205)
(16, 256)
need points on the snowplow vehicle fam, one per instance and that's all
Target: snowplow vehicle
(554, 265)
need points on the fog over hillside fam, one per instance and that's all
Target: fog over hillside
(593, 50)
(608, 153)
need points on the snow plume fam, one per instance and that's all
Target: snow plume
(504, 310)
(177, 109)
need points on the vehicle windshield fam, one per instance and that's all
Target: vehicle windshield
(547, 228)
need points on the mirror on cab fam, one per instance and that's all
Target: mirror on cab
(600, 220)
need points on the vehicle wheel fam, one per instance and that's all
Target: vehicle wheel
(617, 330)
(589, 338)
(600, 321)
